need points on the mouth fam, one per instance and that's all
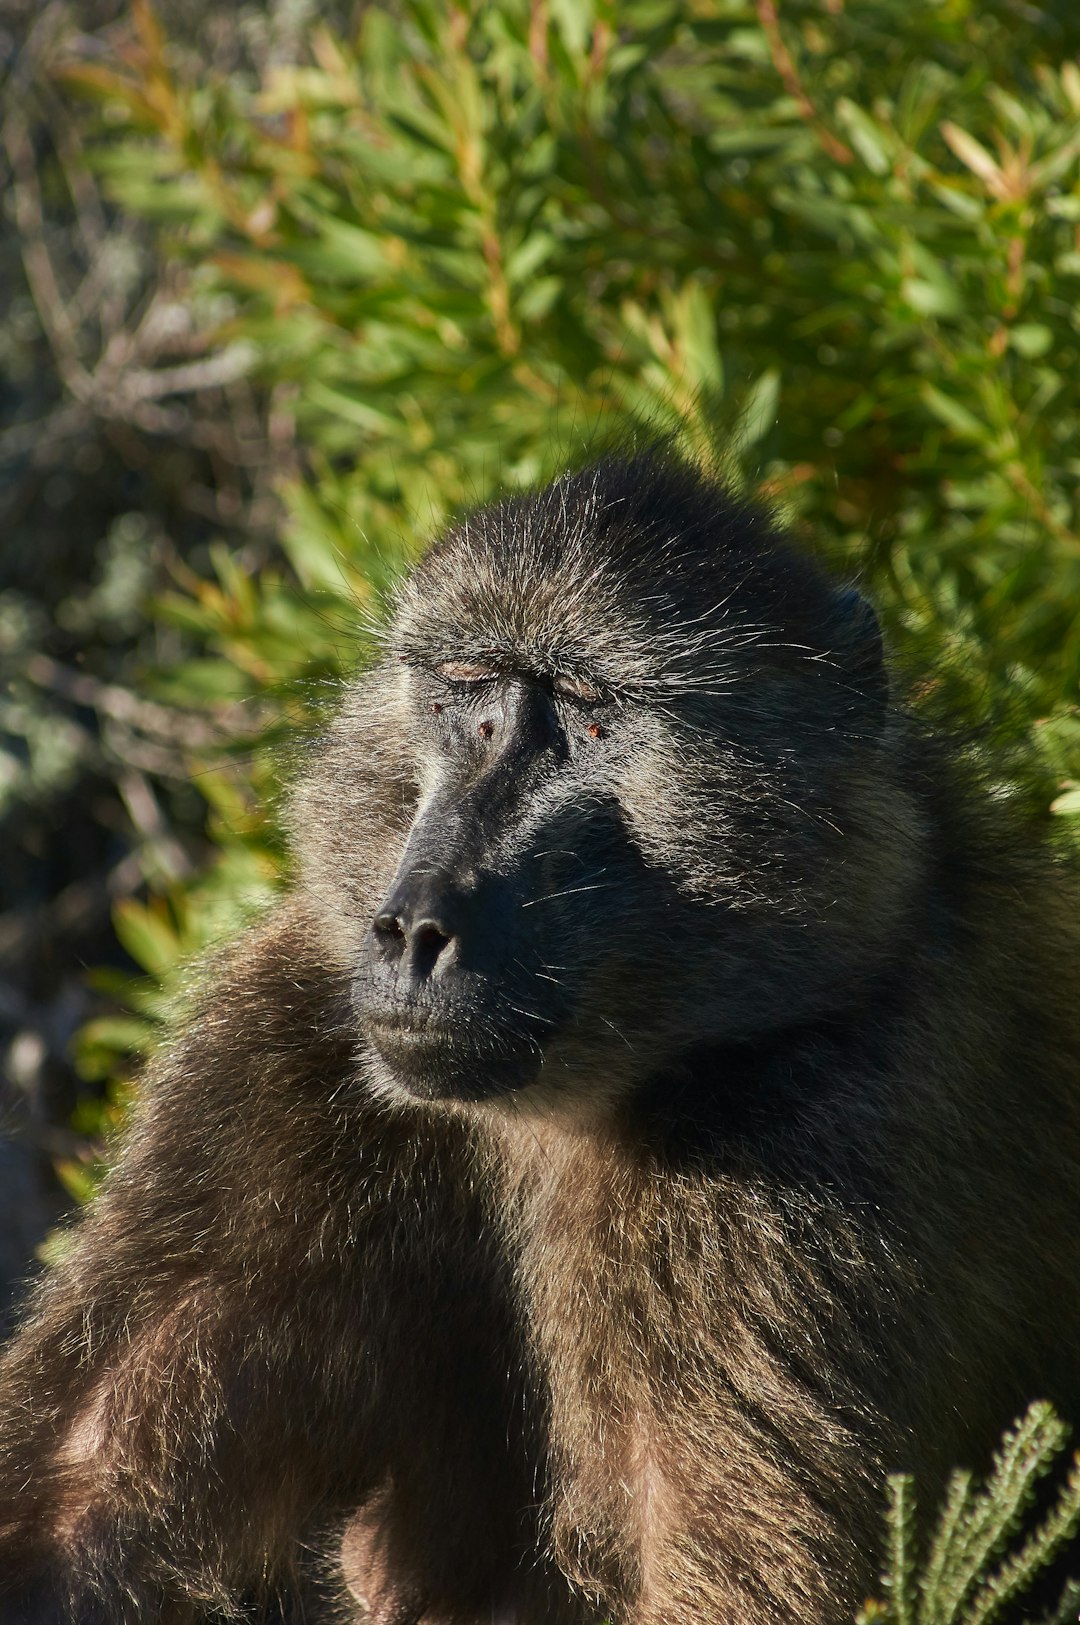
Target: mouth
(435, 1061)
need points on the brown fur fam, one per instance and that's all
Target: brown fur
(779, 1190)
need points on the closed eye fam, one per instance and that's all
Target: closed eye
(576, 688)
(466, 671)
(480, 671)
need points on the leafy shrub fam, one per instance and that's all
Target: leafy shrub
(131, 440)
(979, 1559)
(459, 243)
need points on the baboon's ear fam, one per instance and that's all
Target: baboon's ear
(863, 657)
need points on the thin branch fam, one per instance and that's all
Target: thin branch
(40, 275)
(784, 63)
(159, 721)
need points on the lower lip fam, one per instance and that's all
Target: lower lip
(434, 1063)
(396, 1035)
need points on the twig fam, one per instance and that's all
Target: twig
(159, 721)
(40, 275)
(784, 63)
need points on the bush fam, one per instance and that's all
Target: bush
(835, 249)
(985, 1551)
(132, 440)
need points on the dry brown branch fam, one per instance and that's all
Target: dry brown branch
(178, 728)
(784, 63)
(40, 276)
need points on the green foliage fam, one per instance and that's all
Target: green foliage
(131, 442)
(833, 248)
(980, 1558)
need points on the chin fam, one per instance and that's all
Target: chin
(422, 1065)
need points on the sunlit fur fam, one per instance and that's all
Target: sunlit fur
(781, 1191)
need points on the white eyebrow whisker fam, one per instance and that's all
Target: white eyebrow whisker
(570, 891)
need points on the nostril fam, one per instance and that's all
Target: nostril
(414, 948)
(388, 925)
(388, 935)
(427, 942)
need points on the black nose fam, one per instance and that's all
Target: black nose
(412, 933)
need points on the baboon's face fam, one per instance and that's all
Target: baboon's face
(627, 739)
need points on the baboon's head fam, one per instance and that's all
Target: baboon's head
(611, 794)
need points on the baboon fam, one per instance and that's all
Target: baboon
(652, 1116)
